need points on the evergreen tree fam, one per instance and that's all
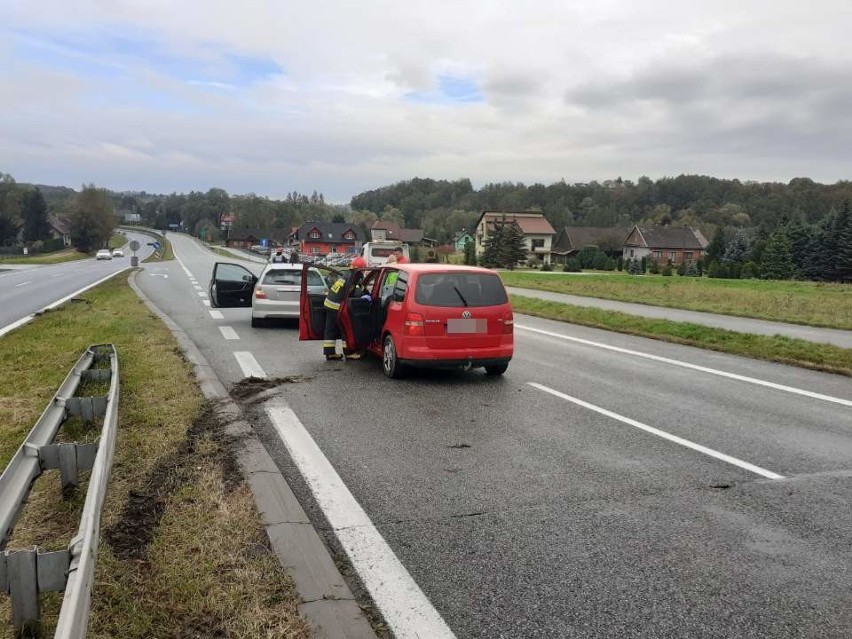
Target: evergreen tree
(843, 264)
(516, 245)
(469, 253)
(34, 213)
(716, 248)
(736, 250)
(778, 257)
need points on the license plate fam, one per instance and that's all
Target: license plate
(467, 326)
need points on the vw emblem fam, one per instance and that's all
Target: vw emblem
(466, 314)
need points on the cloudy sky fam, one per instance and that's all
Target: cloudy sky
(270, 96)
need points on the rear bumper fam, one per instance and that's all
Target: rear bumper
(275, 309)
(456, 363)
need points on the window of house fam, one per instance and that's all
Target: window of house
(631, 252)
(334, 249)
(688, 256)
(315, 249)
(537, 244)
(315, 235)
(673, 256)
(658, 255)
(349, 236)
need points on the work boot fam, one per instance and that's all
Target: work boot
(333, 358)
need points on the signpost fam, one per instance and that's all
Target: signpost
(134, 246)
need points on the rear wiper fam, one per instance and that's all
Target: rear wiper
(458, 292)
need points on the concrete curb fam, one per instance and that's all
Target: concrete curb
(328, 605)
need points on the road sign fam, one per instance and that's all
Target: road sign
(134, 245)
(264, 242)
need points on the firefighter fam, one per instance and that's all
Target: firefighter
(333, 299)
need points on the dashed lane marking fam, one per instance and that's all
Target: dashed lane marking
(695, 367)
(249, 365)
(216, 314)
(660, 433)
(228, 332)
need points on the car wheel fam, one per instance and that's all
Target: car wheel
(390, 363)
(496, 369)
(257, 322)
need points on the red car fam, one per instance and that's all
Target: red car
(426, 315)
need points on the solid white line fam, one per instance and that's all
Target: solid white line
(22, 284)
(695, 367)
(660, 433)
(24, 320)
(228, 332)
(404, 606)
(217, 315)
(249, 364)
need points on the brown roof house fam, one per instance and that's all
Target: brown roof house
(537, 231)
(381, 231)
(663, 244)
(571, 239)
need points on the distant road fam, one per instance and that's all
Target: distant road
(24, 291)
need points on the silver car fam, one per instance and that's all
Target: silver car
(272, 294)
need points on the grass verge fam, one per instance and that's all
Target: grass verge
(117, 240)
(785, 350)
(809, 303)
(162, 254)
(56, 257)
(182, 552)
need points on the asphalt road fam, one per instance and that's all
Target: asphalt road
(28, 289)
(554, 502)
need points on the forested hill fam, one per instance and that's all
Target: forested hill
(687, 200)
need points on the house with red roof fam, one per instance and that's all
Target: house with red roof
(322, 238)
(538, 233)
(382, 231)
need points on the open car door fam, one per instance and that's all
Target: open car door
(312, 305)
(231, 286)
(357, 321)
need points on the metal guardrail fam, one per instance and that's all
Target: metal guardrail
(26, 573)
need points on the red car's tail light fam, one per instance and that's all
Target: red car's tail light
(259, 294)
(508, 323)
(414, 324)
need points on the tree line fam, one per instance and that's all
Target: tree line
(25, 217)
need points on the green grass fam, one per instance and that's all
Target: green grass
(207, 570)
(809, 303)
(56, 257)
(117, 241)
(785, 350)
(162, 254)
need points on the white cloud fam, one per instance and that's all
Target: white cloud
(570, 89)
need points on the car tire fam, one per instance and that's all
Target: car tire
(257, 322)
(390, 362)
(496, 369)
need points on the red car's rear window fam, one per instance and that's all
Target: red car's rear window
(460, 289)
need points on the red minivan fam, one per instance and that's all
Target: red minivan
(426, 315)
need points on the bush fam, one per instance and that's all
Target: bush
(620, 263)
(668, 270)
(681, 268)
(635, 268)
(749, 271)
(654, 268)
(692, 270)
(546, 267)
(572, 265)
(609, 265)
(644, 265)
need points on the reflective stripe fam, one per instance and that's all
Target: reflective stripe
(335, 306)
(328, 343)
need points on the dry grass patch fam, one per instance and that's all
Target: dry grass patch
(203, 568)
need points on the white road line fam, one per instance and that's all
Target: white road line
(197, 287)
(404, 606)
(183, 266)
(249, 365)
(228, 332)
(24, 320)
(217, 315)
(201, 294)
(23, 284)
(695, 367)
(655, 431)
(205, 302)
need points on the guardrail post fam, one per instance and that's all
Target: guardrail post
(23, 586)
